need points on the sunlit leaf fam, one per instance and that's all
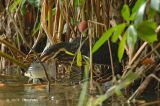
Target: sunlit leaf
(137, 5)
(133, 16)
(79, 59)
(155, 4)
(131, 37)
(140, 15)
(146, 31)
(135, 9)
(13, 7)
(125, 12)
(103, 39)
(121, 47)
(118, 30)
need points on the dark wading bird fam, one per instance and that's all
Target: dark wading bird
(61, 53)
(65, 52)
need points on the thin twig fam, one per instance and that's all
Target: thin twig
(137, 53)
(143, 86)
(111, 59)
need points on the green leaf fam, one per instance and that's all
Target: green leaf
(121, 47)
(36, 29)
(135, 9)
(78, 3)
(35, 3)
(79, 59)
(118, 30)
(13, 7)
(131, 37)
(151, 14)
(53, 11)
(103, 39)
(69, 53)
(137, 5)
(125, 12)
(140, 15)
(155, 4)
(84, 91)
(118, 91)
(128, 79)
(146, 31)
(23, 8)
(133, 16)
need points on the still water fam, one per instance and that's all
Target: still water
(16, 92)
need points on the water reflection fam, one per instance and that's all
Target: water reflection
(15, 91)
(19, 94)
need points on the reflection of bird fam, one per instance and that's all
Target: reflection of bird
(101, 56)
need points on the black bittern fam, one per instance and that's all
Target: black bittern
(63, 52)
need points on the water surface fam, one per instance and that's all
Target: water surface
(15, 91)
